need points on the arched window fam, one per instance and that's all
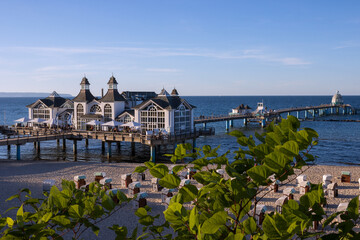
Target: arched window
(40, 111)
(182, 119)
(79, 113)
(153, 118)
(107, 113)
(127, 119)
(95, 109)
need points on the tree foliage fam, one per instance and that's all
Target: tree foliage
(222, 208)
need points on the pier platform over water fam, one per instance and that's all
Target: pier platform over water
(21, 136)
(310, 112)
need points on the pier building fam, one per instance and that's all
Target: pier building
(53, 108)
(165, 111)
(337, 99)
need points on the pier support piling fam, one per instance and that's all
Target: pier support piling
(227, 125)
(194, 145)
(58, 142)
(132, 148)
(297, 114)
(102, 146)
(64, 144)
(109, 150)
(245, 122)
(306, 114)
(153, 153)
(35, 145)
(118, 144)
(86, 142)
(38, 147)
(9, 147)
(18, 157)
(263, 123)
(204, 125)
(231, 123)
(75, 147)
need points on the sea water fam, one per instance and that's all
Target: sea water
(339, 142)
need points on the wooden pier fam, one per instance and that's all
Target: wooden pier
(310, 112)
(22, 136)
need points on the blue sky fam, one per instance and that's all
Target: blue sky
(200, 47)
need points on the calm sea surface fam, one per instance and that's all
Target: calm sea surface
(339, 141)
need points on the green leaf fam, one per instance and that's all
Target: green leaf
(175, 214)
(46, 217)
(189, 192)
(140, 169)
(12, 197)
(76, 211)
(353, 208)
(10, 222)
(107, 203)
(20, 216)
(194, 219)
(250, 225)
(276, 161)
(141, 212)
(270, 228)
(236, 133)
(95, 229)
(170, 181)
(147, 220)
(212, 224)
(61, 220)
(159, 171)
(259, 137)
(259, 174)
(178, 168)
(149, 164)
(290, 148)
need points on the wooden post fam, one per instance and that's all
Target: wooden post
(38, 147)
(86, 142)
(9, 147)
(152, 153)
(58, 142)
(109, 150)
(132, 148)
(64, 144)
(75, 147)
(227, 125)
(118, 144)
(18, 152)
(102, 146)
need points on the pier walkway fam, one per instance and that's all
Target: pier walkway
(321, 110)
(21, 136)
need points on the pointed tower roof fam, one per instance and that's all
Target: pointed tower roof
(174, 92)
(112, 80)
(84, 95)
(163, 93)
(84, 81)
(112, 94)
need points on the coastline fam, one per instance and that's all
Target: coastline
(31, 174)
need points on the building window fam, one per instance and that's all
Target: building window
(152, 118)
(79, 113)
(95, 109)
(125, 119)
(40, 111)
(182, 120)
(107, 113)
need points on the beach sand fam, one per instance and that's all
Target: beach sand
(31, 174)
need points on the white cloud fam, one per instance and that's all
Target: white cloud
(256, 54)
(293, 61)
(164, 70)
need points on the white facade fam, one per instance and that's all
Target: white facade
(159, 114)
